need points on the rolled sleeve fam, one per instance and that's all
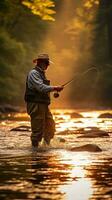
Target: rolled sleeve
(35, 82)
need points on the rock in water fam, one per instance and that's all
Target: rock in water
(105, 115)
(61, 140)
(21, 128)
(87, 147)
(94, 134)
(76, 115)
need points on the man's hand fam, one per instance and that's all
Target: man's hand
(58, 88)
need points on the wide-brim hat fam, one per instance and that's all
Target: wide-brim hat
(42, 56)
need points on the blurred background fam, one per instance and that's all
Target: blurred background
(77, 34)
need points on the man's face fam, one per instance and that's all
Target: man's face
(45, 64)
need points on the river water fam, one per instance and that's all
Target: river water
(55, 172)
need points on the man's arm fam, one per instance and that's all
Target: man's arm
(35, 81)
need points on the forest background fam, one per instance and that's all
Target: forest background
(77, 34)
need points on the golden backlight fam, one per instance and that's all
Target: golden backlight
(80, 186)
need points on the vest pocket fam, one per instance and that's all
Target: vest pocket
(32, 108)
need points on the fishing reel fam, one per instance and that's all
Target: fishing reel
(56, 94)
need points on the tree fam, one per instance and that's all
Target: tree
(21, 33)
(91, 33)
(11, 60)
(105, 19)
(41, 8)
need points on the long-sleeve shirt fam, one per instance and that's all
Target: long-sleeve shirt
(35, 81)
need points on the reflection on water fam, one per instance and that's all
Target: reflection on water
(55, 172)
(80, 187)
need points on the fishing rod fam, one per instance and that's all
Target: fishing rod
(56, 94)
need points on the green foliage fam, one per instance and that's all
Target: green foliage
(79, 37)
(41, 8)
(11, 59)
(90, 31)
(21, 33)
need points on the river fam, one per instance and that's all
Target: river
(55, 172)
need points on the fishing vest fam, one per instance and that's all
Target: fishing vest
(33, 95)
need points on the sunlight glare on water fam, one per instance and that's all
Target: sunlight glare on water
(56, 172)
(80, 187)
(79, 190)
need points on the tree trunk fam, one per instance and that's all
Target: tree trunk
(109, 29)
(106, 8)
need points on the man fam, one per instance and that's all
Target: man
(37, 97)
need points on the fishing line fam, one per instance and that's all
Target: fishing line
(79, 75)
